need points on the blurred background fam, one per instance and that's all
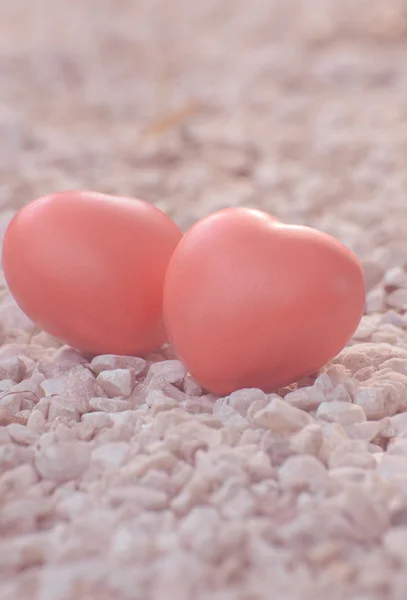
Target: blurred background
(295, 106)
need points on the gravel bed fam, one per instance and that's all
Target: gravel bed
(120, 478)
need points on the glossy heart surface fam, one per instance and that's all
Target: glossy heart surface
(250, 302)
(89, 269)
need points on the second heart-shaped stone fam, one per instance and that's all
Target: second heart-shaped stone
(252, 302)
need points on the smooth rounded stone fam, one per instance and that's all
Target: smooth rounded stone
(107, 362)
(373, 273)
(307, 398)
(341, 412)
(116, 382)
(375, 300)
(12, 368)
(111, 455)
(36, 421)
(378, 401)
(62, 462)
(278, 415)
(20, 434)
(305, 472)
(32, 384)
(398, 298)
(110, 405)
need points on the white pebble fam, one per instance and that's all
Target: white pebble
(111, 455)
(341, 412)
(116, 382)
(398, 299)
(278, 415)
(110, 405)
(303, 472)
(107, 362)
(378, 401)
(62, 462)
(22, 434)
(36, 421)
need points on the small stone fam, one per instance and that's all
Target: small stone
(241, 400)
(365, 431)
(341, 412)
(398, 299)
(353, 453)
(12, 368)
(111, 455)
(394, 318)
(304, 472)
(110, 405)
(306, 398)
(353, 361)
(61, 407)
(191, 387)
(158, 401)
(375, 300)
(53, 387)
(396, 364)
(395, 543)
(11, 402)
(169, 371)
(366, 328)
(6, 385)
(229, 416)
(392, 467)
(378, 401)
(309, 440)
(20, 434)
(112, 362)
(373, 273)
(395, 277)
(36, 421)
(62, 462)
(116, 382)
(278, 415)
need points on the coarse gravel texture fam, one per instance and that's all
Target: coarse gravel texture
(121, 478)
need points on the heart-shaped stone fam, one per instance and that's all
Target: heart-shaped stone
(250, 302)
(89, 269)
